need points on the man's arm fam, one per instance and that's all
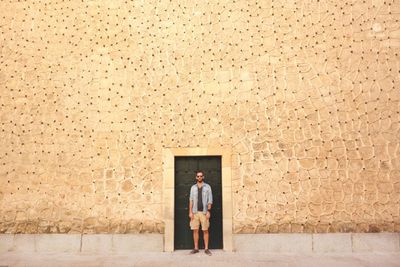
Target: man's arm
(210, 199)
(191, 205)
(209, 204)
(190, 209)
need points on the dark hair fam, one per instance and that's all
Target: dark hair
(199, 171)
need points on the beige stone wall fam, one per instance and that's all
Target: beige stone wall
(305, 92)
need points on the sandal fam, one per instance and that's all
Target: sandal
(208, 252)
(194, 251)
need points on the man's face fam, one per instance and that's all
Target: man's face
(199, 177)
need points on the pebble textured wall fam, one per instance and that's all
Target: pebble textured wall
(306, 92)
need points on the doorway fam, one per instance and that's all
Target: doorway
(185, 168)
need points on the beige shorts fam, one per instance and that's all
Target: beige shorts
(199, 218)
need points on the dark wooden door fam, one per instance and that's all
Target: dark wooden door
(185, 168)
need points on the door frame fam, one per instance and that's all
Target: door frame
(169, 155)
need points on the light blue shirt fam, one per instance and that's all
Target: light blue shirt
(206, 196)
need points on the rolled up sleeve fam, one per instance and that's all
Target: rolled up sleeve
(210, 198)
(191, 195)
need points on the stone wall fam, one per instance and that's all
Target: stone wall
(305, 92)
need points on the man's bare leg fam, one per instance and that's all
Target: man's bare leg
(196, 238)
(205, 232)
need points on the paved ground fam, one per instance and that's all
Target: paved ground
(182, 258)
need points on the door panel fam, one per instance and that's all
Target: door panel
(185, 168)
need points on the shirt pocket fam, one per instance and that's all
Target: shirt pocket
(192, 195)
(205, 195)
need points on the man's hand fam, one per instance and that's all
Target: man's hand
(191, 216)
(208, 215)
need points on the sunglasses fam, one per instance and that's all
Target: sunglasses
(199, 175)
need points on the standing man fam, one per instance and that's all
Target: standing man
(200, 202)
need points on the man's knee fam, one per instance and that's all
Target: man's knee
(205, 231)
(196, 231)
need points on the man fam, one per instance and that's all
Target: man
(200, 202)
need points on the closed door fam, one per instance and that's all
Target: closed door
(185, 168)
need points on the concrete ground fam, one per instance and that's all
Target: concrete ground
(182, 258)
